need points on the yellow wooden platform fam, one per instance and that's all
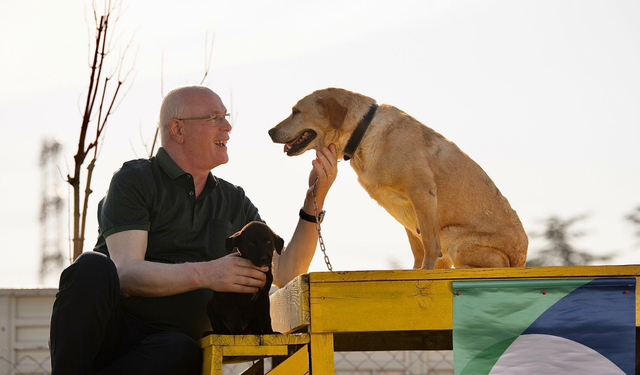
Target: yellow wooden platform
(393, 310)
(376, 311)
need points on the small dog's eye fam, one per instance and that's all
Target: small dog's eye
(268, 242)
(295, 112)
(251, 243)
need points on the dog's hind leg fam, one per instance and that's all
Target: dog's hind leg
(475, 256)
(416, 248)
(444, 262)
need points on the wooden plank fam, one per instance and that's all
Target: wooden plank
(255, 340)
(479, 273)
(288, 339)
(392, 341)
(322, 354)
(227, 340)
(290, 306)
(297, 364)
(484, 273)
(381, 306)
(212, 361)
(254, 351)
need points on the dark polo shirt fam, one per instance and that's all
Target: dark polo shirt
(157, 196)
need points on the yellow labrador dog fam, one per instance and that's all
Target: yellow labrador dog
(451, 210)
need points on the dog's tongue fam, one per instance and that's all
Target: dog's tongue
(301, 138)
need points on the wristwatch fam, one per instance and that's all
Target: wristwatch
(310, 218)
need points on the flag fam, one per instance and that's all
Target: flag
(524, 327)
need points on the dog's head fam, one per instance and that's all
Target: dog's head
(319, 119)
(256, 242)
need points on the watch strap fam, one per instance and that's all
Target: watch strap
(310, 218)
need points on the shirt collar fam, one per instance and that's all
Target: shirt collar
(174, 171)
(168, 165)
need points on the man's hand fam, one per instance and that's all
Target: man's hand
(325, 170)
(233, 273)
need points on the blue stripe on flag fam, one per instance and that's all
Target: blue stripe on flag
(599, 315)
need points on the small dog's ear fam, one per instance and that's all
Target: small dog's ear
(279, 243)
(230, 243)
(335, 111)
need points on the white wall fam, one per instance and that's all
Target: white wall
(25, 315)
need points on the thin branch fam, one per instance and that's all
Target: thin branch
(155, 138)
(89, 102)
(207, 57)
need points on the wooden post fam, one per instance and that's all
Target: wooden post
(322, 354)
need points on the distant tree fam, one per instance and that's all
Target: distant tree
(99, 105)
(634, 217)
(560, 251)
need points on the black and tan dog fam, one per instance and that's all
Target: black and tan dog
(245, 313)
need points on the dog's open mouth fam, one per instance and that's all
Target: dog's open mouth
(299, 144)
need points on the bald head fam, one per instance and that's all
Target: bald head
(178, 103)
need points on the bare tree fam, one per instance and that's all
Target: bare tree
(101, 97)
(560, 251)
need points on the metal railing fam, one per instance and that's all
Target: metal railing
(25, 364)
(346, 363)
(380, 363)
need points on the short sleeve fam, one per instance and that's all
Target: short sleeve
(126, 206)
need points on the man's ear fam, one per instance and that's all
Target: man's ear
(334, 111)
(279, 243)
(176, 130)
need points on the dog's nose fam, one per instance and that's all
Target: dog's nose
(271, 132)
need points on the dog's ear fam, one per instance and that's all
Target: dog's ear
(230, 243)
(335, 111)
(279, 243)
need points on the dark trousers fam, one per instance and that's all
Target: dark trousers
(91, 335)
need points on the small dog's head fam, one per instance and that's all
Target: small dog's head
(256, 242)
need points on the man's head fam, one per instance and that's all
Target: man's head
(194, 128)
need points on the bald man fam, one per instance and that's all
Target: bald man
(137, 304)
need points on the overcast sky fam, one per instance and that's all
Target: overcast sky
(544, 95)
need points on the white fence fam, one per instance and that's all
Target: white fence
(25, 315)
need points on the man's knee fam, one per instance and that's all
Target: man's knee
(95, 261)
(178, 352)
(91, 271)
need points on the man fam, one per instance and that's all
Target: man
(162, 225)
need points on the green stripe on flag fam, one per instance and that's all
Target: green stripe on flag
(489, 315)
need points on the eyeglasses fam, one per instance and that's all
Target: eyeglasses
(213, 118)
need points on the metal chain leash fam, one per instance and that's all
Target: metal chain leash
(320, 240)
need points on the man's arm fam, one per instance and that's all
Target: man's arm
(296, 258)
(139, 277)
